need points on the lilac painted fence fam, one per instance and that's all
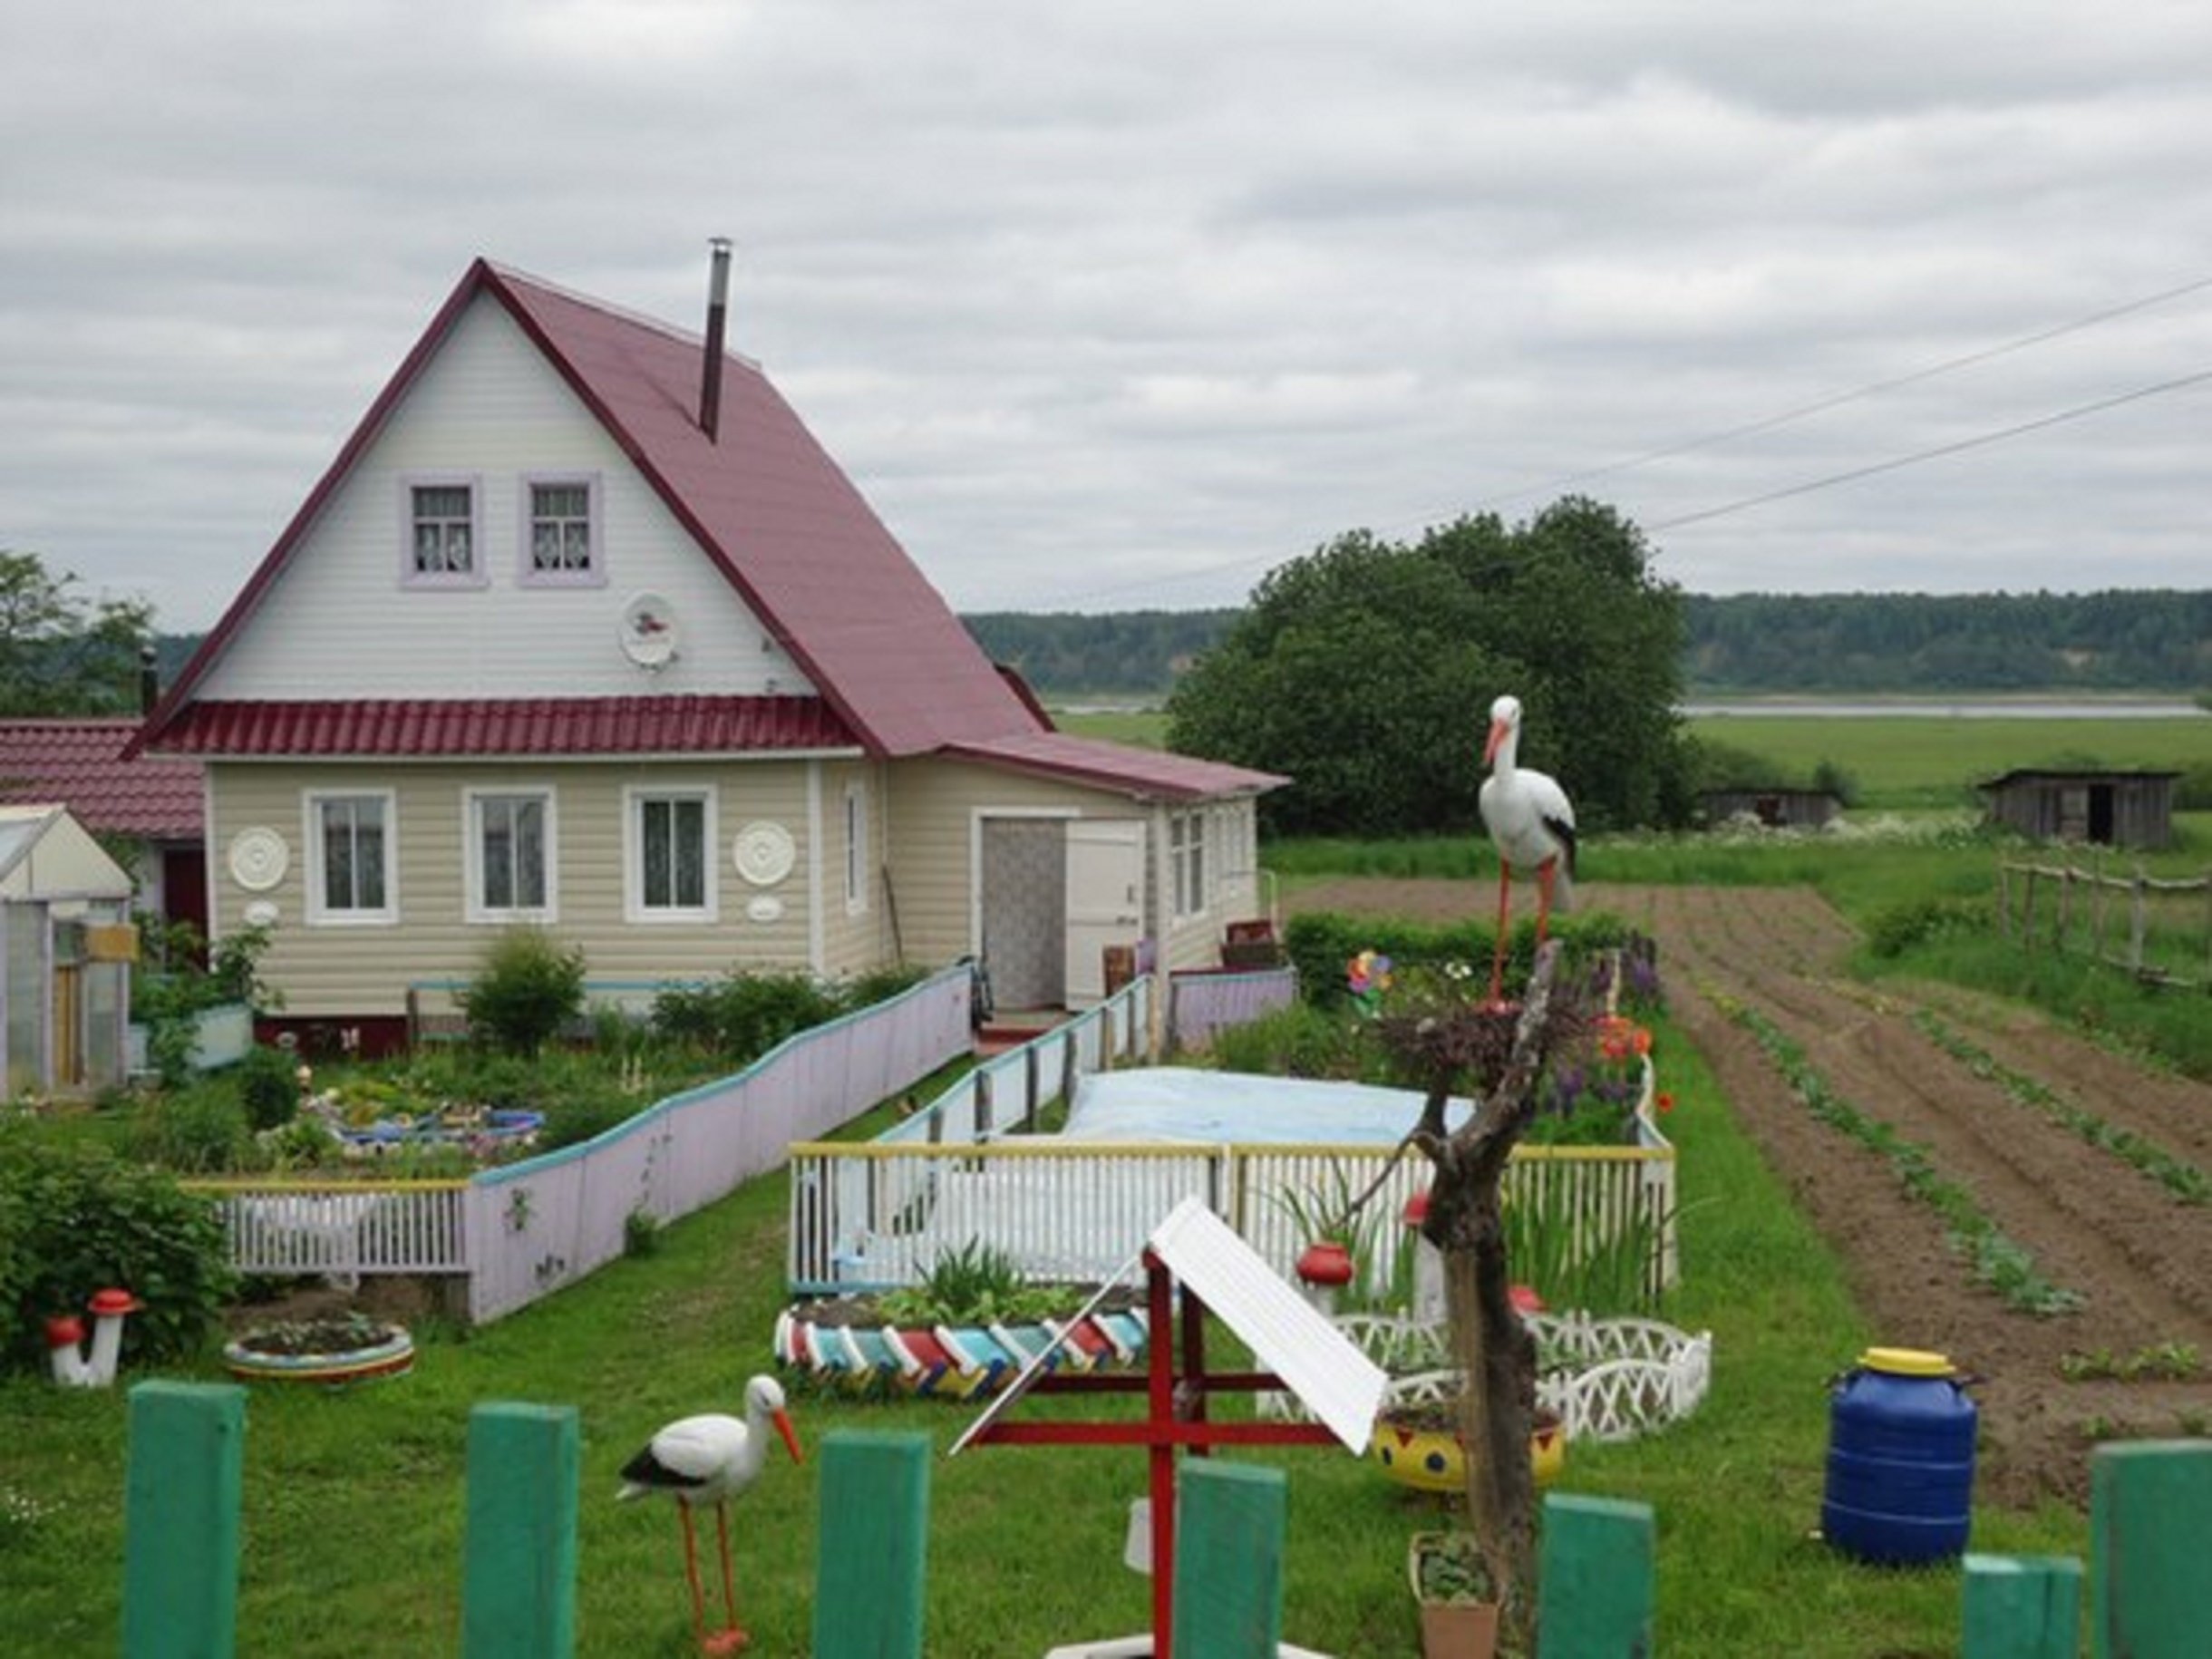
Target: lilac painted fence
(537, 1226)
(1201, 1004)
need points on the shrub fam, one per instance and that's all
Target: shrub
(741, 1018)
(1896, 928)
(268, 1085)
(1320, 944)
(528, 987)
(582, 1110)
(74, 1218)
(199, 1128)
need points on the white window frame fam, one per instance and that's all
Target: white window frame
(1187, 860)
(320, 913)
(476, 574)
(856, 849)
(635, 798)
(478, 908)
(590, 574)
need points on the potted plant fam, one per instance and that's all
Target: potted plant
(1452, 1589)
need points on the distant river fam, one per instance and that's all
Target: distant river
(1815, 708)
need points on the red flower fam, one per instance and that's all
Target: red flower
(1664, 1102)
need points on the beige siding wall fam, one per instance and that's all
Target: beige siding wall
(857, 931)
(933, 808)
(326, 970)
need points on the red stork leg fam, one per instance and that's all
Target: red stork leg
(1505, 910)
(690, 1572)
(730, 1640)
(1544, 872)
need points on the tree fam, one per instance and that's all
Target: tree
(61, 654)
(1367, 671)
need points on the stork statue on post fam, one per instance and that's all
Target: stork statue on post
(1532, 823)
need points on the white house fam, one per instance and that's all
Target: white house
(582, 628)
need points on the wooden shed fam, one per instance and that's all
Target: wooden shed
(2108, 808)
(1777, 808)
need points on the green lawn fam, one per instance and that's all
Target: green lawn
(354, 1501)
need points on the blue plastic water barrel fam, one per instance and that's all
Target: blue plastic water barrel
(1900, 1460)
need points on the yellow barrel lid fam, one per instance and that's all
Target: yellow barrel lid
(1906, 1363)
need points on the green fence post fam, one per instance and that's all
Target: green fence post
(872, 1544)
(1230, 1523)
(182, 1491)
(2151, 1509)
(519, 1591)
(1594, 1580)
(2022, 1607)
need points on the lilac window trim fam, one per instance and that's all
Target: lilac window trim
(477, 575)
(527, 574)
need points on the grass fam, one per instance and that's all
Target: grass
(354, 1501)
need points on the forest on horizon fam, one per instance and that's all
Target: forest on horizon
(1737, 645)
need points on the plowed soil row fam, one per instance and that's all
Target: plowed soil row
(2138, 1257)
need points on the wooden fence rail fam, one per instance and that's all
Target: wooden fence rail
(2150, 1508)
(2158, 929)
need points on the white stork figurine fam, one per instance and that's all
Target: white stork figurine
(709, 1459)
(1532, 822)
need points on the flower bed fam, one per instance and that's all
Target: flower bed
(329, 1352)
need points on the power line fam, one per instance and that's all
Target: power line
(1768, 423)
(1980, 441)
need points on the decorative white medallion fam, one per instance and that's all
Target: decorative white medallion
(259, 858)
(763, 853)
(764, 907)
(262, 913)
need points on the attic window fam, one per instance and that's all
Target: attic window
(439, 517)
(560, 531)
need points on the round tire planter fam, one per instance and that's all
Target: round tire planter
(280, 1357)
(1414, 1452)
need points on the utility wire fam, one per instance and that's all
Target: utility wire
(1979, 440)
(1768, 423)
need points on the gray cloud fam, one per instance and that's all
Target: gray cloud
(1106, 307)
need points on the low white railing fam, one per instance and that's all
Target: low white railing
(342, 1229)
(883, 1214)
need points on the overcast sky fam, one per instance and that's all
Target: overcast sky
(1117, 305)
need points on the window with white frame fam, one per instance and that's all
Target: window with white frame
(1186, 856)
(351, 874)
(856, 849)
(510, 855)
(441, 527)
(670, 855)
(560, 536)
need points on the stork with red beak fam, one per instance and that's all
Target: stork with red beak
(709, 1459)
(1531, 822)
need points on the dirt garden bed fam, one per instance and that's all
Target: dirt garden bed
(1914, 1061)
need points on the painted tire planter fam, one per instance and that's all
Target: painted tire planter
(948, 1361)
(1432, 1459)
(390, 1355)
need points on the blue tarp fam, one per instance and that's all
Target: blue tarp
(1185, 1103)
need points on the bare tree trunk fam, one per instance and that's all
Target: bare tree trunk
(1490, 1347)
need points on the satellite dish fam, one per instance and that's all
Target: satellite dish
(649, 631)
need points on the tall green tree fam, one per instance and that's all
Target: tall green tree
(62, 653)
(1367, 671)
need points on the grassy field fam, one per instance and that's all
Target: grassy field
(1899, 761)
(354, 1501)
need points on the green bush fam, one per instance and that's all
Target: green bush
(1899, 927)
(1299, 1041)
(580, 1112)
(740, 1018)
(199, 1128)
(528, 987)
(1321, 944)
(268, 1085)
(74, 1218)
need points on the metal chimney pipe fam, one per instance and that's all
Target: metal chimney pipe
(150, 679)
(717, 321)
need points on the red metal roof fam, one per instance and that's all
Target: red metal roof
(575, 726)
(777, 517)
(80, 764)
(1146, 772)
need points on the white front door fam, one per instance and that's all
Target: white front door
(1105, 864)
